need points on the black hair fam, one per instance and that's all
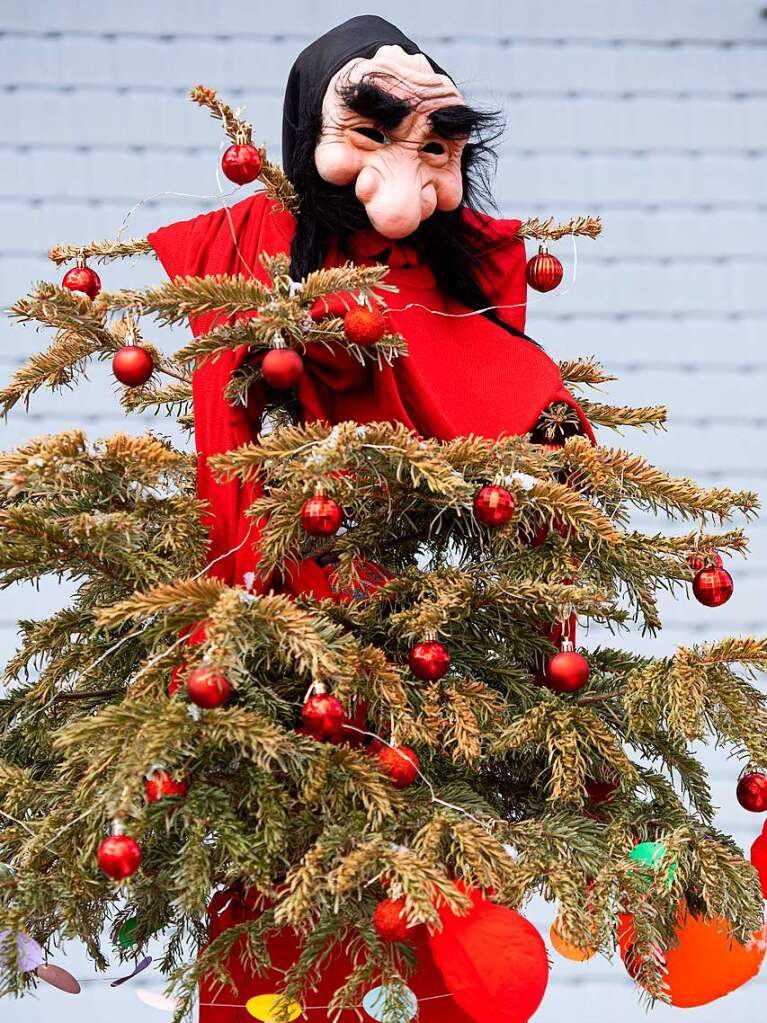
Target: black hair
(446, 242)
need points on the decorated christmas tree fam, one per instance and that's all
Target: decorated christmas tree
(316, 716)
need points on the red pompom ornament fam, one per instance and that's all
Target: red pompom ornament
(429, 660)
(241, 163)
(759, 858)
(132, 365)
(400, 764)
(567, 672)
(752, 792)
(323, 717)
(544, 271)
(82, 279)
(364, 326)
(208, 688)
(390, 921)
(119, 856)
(282, 368)
(713, 586)
(161, 785)
(493, 505)
(321, 516)
(698, 561)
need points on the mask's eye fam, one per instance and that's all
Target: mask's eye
(374, 134)
(435, 148)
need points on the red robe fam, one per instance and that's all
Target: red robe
(461, 376)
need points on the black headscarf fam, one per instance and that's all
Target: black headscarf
(309, 77)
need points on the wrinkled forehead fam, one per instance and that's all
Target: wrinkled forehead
(408, 76)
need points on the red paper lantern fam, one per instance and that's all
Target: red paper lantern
(400, 764)
(364, 326)
(161, 785)
(713, 586)
(429, 661)
(321, 516)
(493, 961)
(390, 921)
(208, 688)
(323, 717)
(132, 365)
(752, 792)
(601, 791)
(759, 858)
(241, 164)
(82, 279)
(544, 271)
(119, 856)
(282, 368)
(706, 964)
(567, 672)
(493, 505)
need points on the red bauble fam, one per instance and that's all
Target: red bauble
(119, 856)
(429, 661)
(390, 921)
(493, 505)
(334, 304)
(321, 516)
(400, 764)
(208, 688)
(493, 961)
(83, 279)
(323, 717)
(759, 858)
(160, 785)
(700, 561)
(282, 368)
(241, 164)
(567, 672)
(600, 791)
(132, 365)
(364, 326)
(752, 792)
(713, 586)
(544, 271)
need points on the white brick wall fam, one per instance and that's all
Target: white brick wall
(651, 114)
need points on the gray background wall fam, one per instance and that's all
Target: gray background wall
(651, 114)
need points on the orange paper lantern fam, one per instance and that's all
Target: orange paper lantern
(567, 949)
(707, 963)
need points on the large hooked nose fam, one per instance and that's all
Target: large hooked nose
(396, 191)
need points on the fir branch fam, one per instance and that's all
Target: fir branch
(615, 417)
(100, 250)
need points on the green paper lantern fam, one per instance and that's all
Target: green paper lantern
(650, 854)
(126, 936)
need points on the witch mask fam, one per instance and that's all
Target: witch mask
(395, 129)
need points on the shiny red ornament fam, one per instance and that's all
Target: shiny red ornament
(544, 271)
(698, 561)
(567, 672)
(752, 792)
(429, 660)
(390, 921)
(282, 368)
(208, 688)
(241, 164)
(493, 505)
(82, 279)
(161, 785)
(400, 764)
(601, 791)
(321, 516)
(323, 717)
(713, 586)
(364, 326)
(119, 856)
(493, 961)
(132, 365)
(759, 858)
